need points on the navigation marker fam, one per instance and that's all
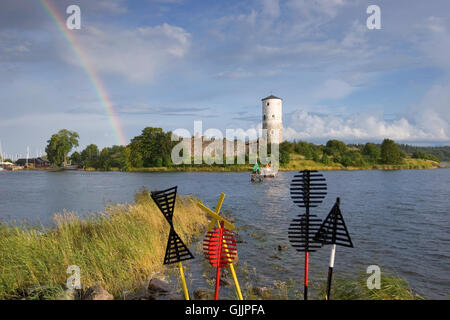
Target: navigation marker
(333, 231)
(217, 219)
(219, 247)
(308, 189)
(176, 250)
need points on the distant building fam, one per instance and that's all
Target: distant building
(272, 111)
(34, 162)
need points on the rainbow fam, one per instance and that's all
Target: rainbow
(90, 71)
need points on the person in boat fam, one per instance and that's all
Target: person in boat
(256, 168)
(256, 173)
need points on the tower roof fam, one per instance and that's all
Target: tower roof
(271, 97)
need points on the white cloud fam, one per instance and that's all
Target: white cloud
(135, 54)
(306, 126)
(433, 112)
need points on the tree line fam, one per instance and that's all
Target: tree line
(388, 152)
(153, 147)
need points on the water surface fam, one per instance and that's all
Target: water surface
(399, 220)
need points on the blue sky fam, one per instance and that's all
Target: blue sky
(166, 63)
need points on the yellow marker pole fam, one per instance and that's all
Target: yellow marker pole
(183, 281)
(217, 219)
(236, 283)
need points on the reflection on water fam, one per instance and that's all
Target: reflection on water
(397, 219)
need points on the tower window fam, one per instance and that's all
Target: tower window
(268, 103)
(273, 116)
(264, 117)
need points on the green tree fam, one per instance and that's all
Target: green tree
(353, 158)
(390, 152)
(423, 155)
(153, 145)
(136, 159)
(75, 158)
(126, 159)
(315, 155)
(59, 145)
(104, 160)
(89, 156)
(285, 153)
(336, 149)
(325, 160)
(372, 152)
(305, 149)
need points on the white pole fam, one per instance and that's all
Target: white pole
(333, 252)
(330, 271)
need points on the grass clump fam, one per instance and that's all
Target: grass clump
(116, 249)
(392, 288)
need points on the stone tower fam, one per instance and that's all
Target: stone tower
(272, 118)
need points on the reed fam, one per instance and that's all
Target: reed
(117, 249)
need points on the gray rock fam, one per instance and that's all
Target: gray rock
(202, 294)
(225, 282)
(262, 292)
(158, 286)
(97, 293)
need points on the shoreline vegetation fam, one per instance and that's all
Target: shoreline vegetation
(121, 249)
(152, 151)
(118, 249)
(296, 163)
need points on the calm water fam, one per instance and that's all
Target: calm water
(399, 220)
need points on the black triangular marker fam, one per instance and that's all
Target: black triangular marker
(176, 250)
(333, 231)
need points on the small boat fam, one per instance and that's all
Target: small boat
(268, 172)
(256, 176)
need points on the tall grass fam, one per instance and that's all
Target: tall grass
(117, 249)
(392, 288)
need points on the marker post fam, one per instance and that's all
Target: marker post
(176, 250)
(216, 219)
(333, 231)
(308, 189)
